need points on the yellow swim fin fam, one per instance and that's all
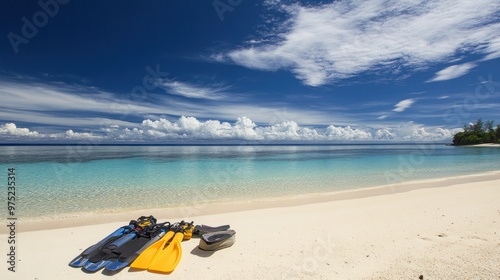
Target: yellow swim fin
(166, 260)
(144, 259)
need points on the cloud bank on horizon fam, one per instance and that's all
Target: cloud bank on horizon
(191, 129)
(331, 42)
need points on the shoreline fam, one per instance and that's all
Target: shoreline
(487, 145)
(68, 220)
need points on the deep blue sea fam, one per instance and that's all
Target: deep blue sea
(52, 180)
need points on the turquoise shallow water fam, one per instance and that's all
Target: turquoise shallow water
(65, 179)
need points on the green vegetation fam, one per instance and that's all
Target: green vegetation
(478, 133)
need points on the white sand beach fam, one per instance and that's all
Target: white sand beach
(490, 145)
(440, 229)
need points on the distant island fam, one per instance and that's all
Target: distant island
(478, 133)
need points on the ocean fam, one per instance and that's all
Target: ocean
(59, 180)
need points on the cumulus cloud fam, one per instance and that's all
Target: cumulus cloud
(288, 130)
(453, 72)
(70, 134)
(10, 129)
(325, 43)
(191, 129)
(415, 133)
(403, 105)
(347, 133)
(385, 134)
(245, 128)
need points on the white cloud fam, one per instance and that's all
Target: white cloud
(39, 97)
(54, 119)
(385, 134)
(415, 132)
(10, 129)
(493, 49)
(288, 130)
(193, 91)
(192, 129)
(70, 134)
(403, 105)
(347, 133)
(47, 104)
(243, 128)
(326, 43)
(453, 72)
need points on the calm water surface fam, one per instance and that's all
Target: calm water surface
(65, 179)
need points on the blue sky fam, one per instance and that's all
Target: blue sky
(175, 71)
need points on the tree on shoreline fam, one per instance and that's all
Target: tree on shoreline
(478, 133)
